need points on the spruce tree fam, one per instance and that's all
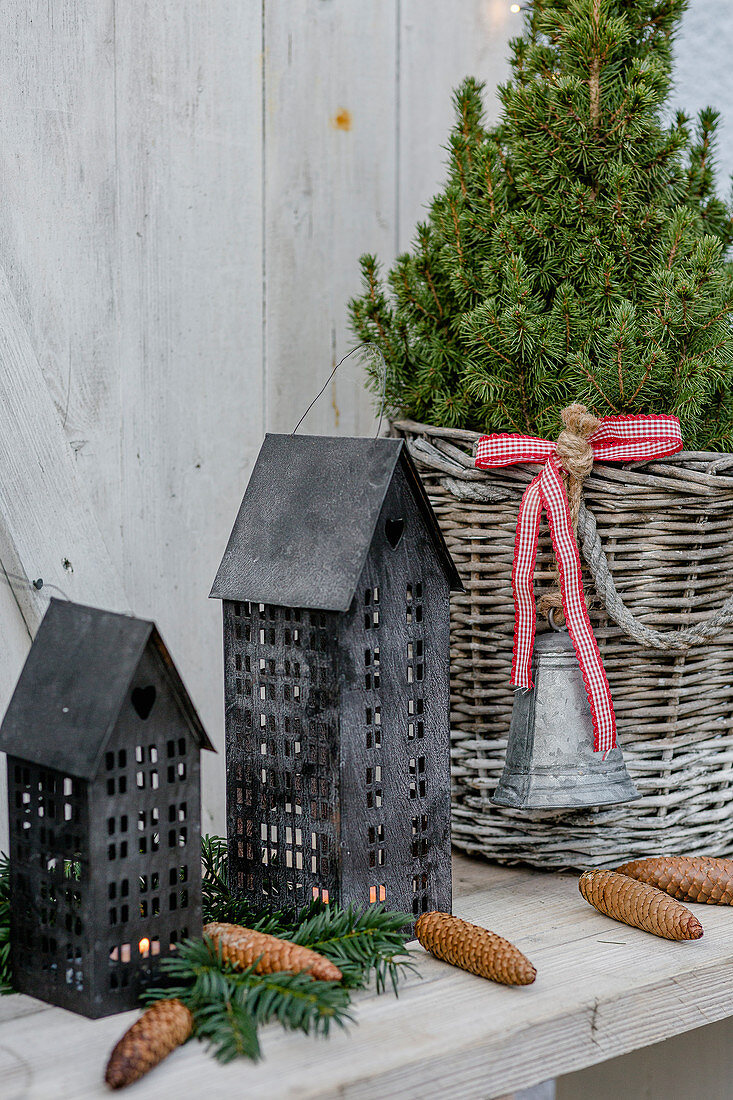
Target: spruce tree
(578, 249)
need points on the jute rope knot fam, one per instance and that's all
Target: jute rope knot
(575, 457)
(575, 463)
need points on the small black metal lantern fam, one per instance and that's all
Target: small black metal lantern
(336, 585)
(103, 750)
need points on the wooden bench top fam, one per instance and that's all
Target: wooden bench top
(602, 990)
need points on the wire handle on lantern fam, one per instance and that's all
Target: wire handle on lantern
(376, 352)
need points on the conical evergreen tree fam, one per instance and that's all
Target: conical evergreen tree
(577, 251)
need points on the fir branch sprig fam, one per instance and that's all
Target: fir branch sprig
(5, 986)
(220, 904)
(227, 1028)
(217, 901)
(359, 943)
(578, 250)
(229, 1005)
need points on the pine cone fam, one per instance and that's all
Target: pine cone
(242, 947)
(689, 878)
(475, 949)
(639, 905)
(161, 1028)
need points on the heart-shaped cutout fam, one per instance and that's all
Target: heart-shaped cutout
(394, 529)
(143, 700)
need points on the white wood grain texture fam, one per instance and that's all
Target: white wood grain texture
(51, 223)
(131, 232)
(330, 127)
(189, 305)
(46, 519)
(439, 46)
(56, 174)
(602, 990)
(57, 221)
(703, 76)
(48, 528)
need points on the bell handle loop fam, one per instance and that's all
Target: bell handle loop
(553, 624)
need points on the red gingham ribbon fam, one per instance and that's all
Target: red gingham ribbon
(618, 439)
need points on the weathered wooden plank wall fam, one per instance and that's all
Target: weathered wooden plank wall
(436, 53)
(186, 188)
(189, 242)
(131, 235)
(330, 152)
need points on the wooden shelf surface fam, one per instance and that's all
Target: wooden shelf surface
(602, 990)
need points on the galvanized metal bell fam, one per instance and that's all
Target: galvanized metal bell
(550, 763)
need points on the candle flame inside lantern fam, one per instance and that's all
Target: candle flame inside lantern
(144, 947)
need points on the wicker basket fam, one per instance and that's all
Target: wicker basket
(667, 531)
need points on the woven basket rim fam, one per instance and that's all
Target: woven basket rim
(414, 427)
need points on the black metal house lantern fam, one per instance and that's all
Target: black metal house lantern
(335, 587)
(103, 748)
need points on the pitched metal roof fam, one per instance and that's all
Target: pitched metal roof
(308, 518)
(74, 682)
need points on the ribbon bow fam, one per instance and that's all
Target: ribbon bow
(615, 439)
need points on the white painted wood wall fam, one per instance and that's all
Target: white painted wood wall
(185, 188)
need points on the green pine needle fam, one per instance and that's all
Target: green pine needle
(218, 902)
(359, 943)
(229, 1005)
(227, 1027)
(5, 986)
(578, 251)
(221, 905)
